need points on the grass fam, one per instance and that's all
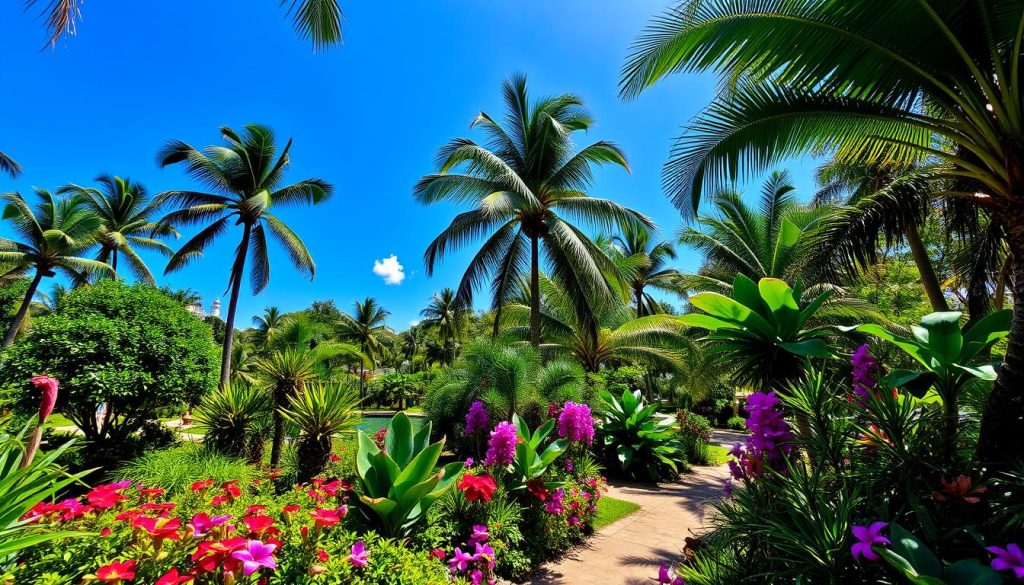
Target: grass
(612, 509)
(718, 455)
(58, 420)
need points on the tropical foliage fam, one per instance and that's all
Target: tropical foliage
(638, 441)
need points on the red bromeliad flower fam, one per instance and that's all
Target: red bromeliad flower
(173, 577)
(116, 572)
(326, 517)
(202, 485)
(48, 386)
(322, 556)
(537, 489)
(959, 489)
(159, 528)
(258, 524)
(477, 487)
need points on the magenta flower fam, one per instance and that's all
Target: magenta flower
(48, 386)
(255, 555)
(479, 533)
(202, 523)
(1010, 558)
(460, 560)
(866, 371)
(477, 419)
(868, 536)
(358, 558)
(484, 552)
(576, 423)
(665, 577)
(501, 449)
(554, 504)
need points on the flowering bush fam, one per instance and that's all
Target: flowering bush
(217, 533)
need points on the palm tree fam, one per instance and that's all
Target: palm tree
(367, 329)
(52, 239)
(249, 178)
(650, 268)
(519, 183)
(875, 82)
(316, 20)
(656, 341)
(10, 166)
(127, 211)
(243, 365)
(269, 324)
(449, 317)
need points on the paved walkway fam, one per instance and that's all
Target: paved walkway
(630, 551)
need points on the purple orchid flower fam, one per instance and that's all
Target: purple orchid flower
(867, 536)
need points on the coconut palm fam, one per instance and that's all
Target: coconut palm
(268, 324)
(522, 184)
(127, 212)
(52, 239)
(248, 174)
(874, 82)
(243, 365)
(655, 340)
(9, 165)
(366, 328)
(318, 21)
(448, 315)
(650, 271)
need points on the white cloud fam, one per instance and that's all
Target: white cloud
(389, 269)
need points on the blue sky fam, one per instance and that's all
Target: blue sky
(367, 117)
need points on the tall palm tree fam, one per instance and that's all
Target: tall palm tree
(52, 239)
(655, 340)
(875, 81)
(521, 183)
(367, 329)
(248, 174)
(9, 165)
(243, 365)
(127, 213)
(316, 20)
(268, 324)
(651, 270)
(448, 315)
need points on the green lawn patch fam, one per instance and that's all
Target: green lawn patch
(611, 509)
(58, 420)
(718, 455)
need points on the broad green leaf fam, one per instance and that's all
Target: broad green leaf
(720, 306)
(777, 294)
(906, 545)
(745, 292)
(398, 441)
(808, 348)
(971, 572)
(944, 337)
(985, 332)
(420, 466)
(985, 372)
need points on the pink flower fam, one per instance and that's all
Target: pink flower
(477, 419)
(460, 561)
(358, 558)
(501, 449)
(1010, 558)
(665, 577)
(116, 572)
(438, 554)
(867, 536)
(576, 423)
(202, 523)
(49, 387)
(479, 533)
(256, 555)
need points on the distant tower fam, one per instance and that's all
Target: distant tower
(197, 310)
(215, 308)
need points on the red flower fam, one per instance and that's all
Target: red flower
(258, 524)
(128, 515)
(322, 556)
(254, 509)
(116, 572)
(151, 492)
(202, 485)
(48, 386)
(159, 528)
(231, 489)
(537, 489)
(274, 474)
(327, 517)
(959, 489)
(291, 509)
(477, 487)
(210, 553)
(331, 488)
(333, 458)
(105, 531)
(218, 500)
(106, 496)
(172, 577)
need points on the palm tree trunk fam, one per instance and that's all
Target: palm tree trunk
(229, 333)
(1000, 440)
(534, 293)
(639, 292)
(280, 401)
(19, 317)
(929, 279)
(113, 262)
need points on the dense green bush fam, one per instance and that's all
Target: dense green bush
(396, 390)
(736, 423)
(694, 434)
(636, 440)
(176, 468)
(129, 347)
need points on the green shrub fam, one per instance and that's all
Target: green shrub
(736, 423)
(130, 347)
(234, 420)
(636, 440)
(396, 390)
(320, 412)
(694, 434)
(176, 468)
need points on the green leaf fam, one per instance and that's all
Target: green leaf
(777, 294)
(398, 441)
(985, 332)
(971, 572)
(944, 337)
(917, 383)
(720, 306)
(906, 545)
(745, 292)
(985, 372)
(808, 348)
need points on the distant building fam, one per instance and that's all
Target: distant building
(196, 309)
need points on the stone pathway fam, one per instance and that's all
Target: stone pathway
(630, 551)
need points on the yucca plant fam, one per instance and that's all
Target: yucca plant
(638, 441)
(400, 482)
(21, 488)
(231, 418)
(320, 412)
